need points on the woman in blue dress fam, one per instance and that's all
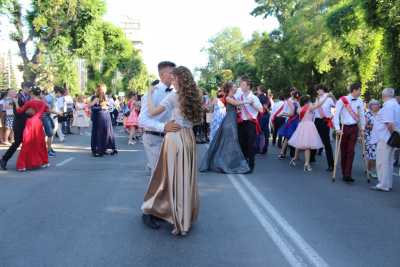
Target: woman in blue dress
(102, 138)
(291, 109)
(224, 154)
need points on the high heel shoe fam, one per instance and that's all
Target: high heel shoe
(307, 168)
(281, 156)
(292, 163)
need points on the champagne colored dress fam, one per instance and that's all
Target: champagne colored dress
(172, 194)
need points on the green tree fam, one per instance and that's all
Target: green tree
(383, 16)
(51, 28)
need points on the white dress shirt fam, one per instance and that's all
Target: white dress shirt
(326, 107)
(252, 109)
(389, 113)
(155, 123)
(276, 106)
(344, 117)
(60, 105)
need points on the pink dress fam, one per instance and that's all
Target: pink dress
(132, 120)
(306, 135)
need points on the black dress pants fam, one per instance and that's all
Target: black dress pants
(247, 137)
(324, 133)
(279, 121)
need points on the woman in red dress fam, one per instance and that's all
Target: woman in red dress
(33, 152)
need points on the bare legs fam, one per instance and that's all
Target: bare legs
(307, 156)
(132, 134)
(8, 136)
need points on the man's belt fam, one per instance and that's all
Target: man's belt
(155, 133)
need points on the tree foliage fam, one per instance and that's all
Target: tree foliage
(52, 35)
(335, 42)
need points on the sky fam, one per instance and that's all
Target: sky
(177, 30)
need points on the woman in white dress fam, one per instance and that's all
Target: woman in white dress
(172, 194)
(81, 119)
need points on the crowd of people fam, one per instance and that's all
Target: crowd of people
(299, 123)
(238, 123)
(64, 115)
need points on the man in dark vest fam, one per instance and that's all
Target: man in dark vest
(19, 123)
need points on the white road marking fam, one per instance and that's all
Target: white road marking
(295, 237)
(275, 236)
(62, 163)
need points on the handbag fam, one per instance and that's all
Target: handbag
(394, 140)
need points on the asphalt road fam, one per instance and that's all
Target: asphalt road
(85, 211)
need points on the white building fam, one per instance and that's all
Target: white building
(133, 30)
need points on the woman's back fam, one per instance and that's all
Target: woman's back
(171, 102)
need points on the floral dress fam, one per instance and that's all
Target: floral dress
(370, 148)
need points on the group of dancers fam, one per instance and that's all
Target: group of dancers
(166, 115)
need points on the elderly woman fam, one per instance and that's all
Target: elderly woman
(370, 146)
(387, 121)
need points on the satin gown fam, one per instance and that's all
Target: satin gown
(102, 131)
(224, 154)
(33, 151)
(173, 194)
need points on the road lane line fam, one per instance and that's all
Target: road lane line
(62, 163)
(275, 236)
(296, 238)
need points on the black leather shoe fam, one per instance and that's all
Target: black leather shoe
(250, 171)
(348, 179)
(3, 164)
(150, 221)
(330, 169)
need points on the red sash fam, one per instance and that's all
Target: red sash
(276, 114)
(349, 109)
(253, 120)
(327, 120)
(303, 111)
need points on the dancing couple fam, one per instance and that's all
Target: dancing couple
(232, 149)
(168, 117)
(28, 130)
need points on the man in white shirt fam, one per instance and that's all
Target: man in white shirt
(277, 120)
(323, 123)
(387, 121)
(349, 114)
(154, 127)
(69, 106)
(61, 109)
(247, 128)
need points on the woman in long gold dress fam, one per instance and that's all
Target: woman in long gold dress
(172, 194)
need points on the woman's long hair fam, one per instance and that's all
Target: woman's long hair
(227, 87)
(189, 97)
(99, 92)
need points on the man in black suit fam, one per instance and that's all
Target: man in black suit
(19, 123)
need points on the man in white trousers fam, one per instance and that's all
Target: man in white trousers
(155, 127)
(387, 121)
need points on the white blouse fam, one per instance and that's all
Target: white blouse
(171, 104)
